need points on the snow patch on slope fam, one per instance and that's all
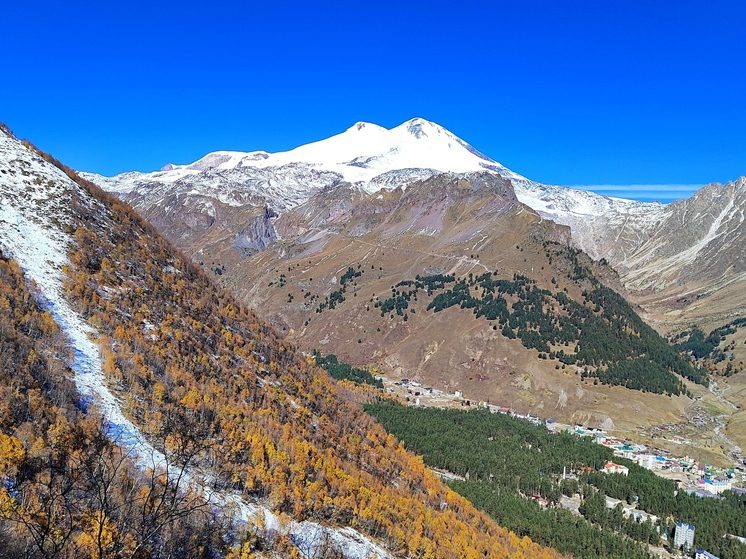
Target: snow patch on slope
(713, 233)
(33, 199)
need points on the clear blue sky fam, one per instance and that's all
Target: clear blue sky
(596, 92)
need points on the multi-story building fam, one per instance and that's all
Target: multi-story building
(647, 461)
(716, 485)
(683, 535)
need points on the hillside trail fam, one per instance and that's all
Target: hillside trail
(460, 260)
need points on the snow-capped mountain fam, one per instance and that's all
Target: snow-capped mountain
(602, 226)
(365, 155)
(364, 151)
(230, 189)
(185, 200)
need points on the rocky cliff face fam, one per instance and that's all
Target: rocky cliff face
(258, 234)
(700, 239)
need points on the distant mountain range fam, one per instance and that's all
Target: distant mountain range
(281, 229)
(682, 260)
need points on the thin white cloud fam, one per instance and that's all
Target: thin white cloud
(640, 187)
(644, 192)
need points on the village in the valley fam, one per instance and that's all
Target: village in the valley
(703, 480)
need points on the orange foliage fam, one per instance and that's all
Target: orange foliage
(195, 365)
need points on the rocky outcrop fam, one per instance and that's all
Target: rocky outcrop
(258, 234)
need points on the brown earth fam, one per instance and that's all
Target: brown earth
(445, 225)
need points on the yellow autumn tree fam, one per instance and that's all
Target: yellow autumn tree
(12, 454)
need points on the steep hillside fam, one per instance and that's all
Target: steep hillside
(683, 262)
(454, 283)
(696, 257)
(66, 485)
(186, 377)
(680, 261)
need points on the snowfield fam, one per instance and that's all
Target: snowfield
(357, 156)
(372, 158)
(34, 202)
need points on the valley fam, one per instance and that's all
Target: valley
(456, 288)
(279, 230)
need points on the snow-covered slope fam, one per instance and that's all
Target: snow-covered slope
(34, 216)
(602, 226)
(35, 225)
(362, 152)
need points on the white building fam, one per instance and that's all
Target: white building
(702, 554)
(683, 535)
(647, 461)
(612, 468)
(716, 486)
(625, 453)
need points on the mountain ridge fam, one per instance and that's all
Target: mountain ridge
(629, 234)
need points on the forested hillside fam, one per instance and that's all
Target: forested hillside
(67, 490)
(713, 350)
(601, 336)
(210, 384)
(344, 371)
(507, 460)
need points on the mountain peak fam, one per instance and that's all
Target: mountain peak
(419, 127)
(362, 126)
(365, 154)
